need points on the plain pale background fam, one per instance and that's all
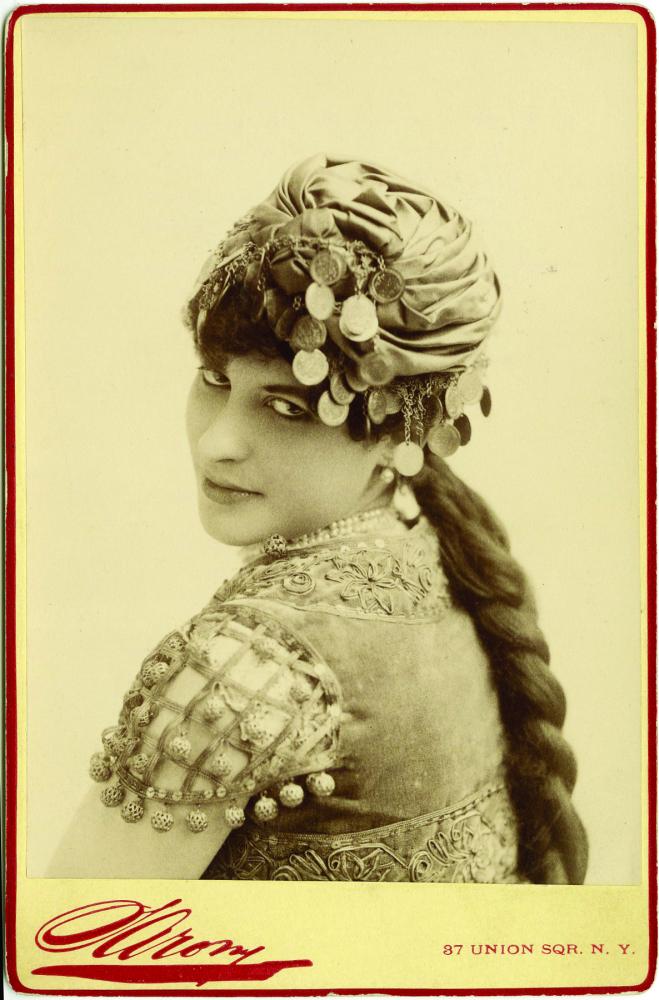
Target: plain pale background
(144, 140)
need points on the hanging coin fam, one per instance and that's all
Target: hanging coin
(453, 401)
(486, 402)
(470, 387)
(443, 440)
(377, 405)
(331, 413)
(375, 369)
(285, 323)
(358, 320)
(327, 267)
(434, 410)
(319, 300)
(408, 458)
(463, 427)
(355, 381)
(387, 286)
(310, 367)
(308, 334)
(393, 400)
(340, 391)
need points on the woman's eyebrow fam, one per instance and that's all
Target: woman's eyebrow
(300, 391)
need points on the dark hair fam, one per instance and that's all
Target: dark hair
(488, 583)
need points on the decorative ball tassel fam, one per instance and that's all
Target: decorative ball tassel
(320, 783)
(213, 709)
(197, 820)
(153, 673)
(220, 764)
(99, 768)
(265, 809)
(113, 795)
(291, 795)
(234, 816)
(275, 545)
(162, 821)
(180, 747)
(132, 811)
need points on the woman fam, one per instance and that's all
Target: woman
(369, 698)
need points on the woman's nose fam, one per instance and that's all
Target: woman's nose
(225, 437)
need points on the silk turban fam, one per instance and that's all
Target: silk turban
(452, 295)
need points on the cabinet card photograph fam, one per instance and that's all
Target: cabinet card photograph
(330, 487)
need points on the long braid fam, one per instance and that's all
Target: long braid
(491, 586)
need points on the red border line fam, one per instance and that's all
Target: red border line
(10, 461)
(651, 495)
(11, 765)
(371, 8)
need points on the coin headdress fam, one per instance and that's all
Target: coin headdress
(378, 289)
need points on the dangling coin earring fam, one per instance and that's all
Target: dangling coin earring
(408, 456)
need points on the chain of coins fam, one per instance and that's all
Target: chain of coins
(331, 413)
(376, 405)
(327, 267)
(374, 369)
(450, 426)
(387, 286)
(359, 319)
(310, 367)
(319, 300)
(443, 440)
(340, 391)
(453, 402)
(470, 387)
(408, 458)
(370, 373)
(308, 334)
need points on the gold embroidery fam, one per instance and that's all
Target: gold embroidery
(475, 842)
(398, 578)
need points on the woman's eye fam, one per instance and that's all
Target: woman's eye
(214, 378)
(285, 408)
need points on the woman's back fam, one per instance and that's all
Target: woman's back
(419, 734)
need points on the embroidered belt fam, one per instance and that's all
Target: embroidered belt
(475, 841)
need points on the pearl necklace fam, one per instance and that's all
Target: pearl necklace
(368, 521)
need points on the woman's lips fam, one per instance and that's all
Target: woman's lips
(226, 494)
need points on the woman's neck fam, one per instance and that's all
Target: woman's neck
(376, 520)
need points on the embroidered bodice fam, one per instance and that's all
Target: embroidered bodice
(397, 577)
(336, 710)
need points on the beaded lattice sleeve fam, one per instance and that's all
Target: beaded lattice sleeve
(232, 707)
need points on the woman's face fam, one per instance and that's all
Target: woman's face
(264, 462)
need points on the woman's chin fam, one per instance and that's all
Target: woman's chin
(230, 527)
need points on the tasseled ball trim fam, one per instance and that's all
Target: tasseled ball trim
(264, 810)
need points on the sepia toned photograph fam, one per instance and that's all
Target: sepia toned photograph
(330, 373)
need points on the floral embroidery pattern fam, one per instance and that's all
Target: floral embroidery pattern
(371, 580)
(474, 843)
(366, 863)
(403, 580)
(298, 583)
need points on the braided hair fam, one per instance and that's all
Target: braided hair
(490, 585)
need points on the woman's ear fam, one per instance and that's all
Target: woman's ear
(385, 451)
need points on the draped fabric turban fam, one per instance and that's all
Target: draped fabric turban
(451, 296)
